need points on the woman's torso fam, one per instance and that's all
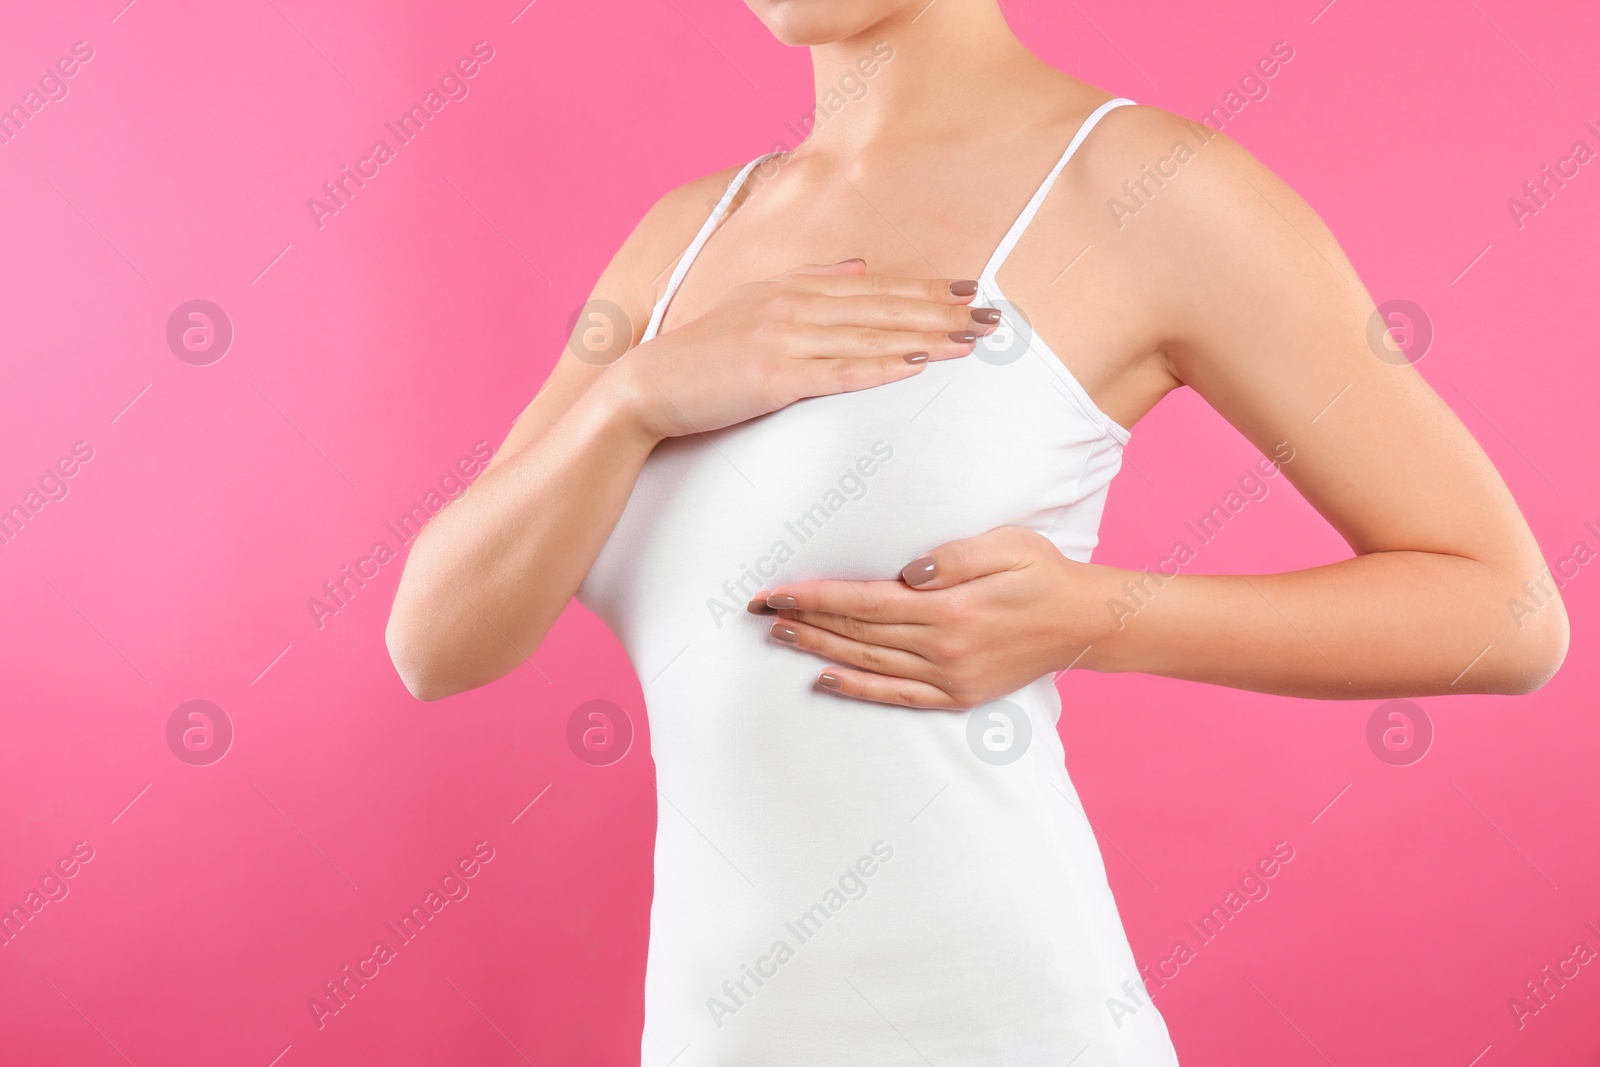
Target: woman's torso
(839, 881)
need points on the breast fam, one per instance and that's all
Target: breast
(848, 486)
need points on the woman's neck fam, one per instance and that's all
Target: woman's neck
(920, 73)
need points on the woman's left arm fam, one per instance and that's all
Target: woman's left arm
(1266, 319)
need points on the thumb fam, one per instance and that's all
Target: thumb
(961, 561)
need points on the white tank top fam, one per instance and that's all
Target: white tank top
(839, 882)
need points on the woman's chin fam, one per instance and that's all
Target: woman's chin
(804, 23)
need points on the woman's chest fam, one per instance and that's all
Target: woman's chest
(851, 486)
(1067, 277)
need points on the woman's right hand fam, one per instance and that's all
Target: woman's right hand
(812, 331)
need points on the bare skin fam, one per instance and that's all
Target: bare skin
(1224, 281)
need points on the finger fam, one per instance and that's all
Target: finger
(860, 283)
(826, 377)
(909, 636)
(884, 689)
(889, 603)
(850, 342)
(876, 658)
(823, 270)
(1001, 549)
(890, 311)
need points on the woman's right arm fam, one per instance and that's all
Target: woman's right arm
(489, 575)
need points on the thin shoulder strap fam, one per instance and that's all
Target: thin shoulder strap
(699, 242)
(1017, 228)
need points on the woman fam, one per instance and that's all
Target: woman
(901, 450)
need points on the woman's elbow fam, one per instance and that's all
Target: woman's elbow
(1538, 648)
(419, 666)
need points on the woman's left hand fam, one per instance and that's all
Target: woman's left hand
(966, 623)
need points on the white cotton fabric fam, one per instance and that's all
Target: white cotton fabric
(839, 882)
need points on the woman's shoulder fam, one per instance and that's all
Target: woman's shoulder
(1141, 155)
(1182, 186)
(677, 214)
(1134, 137)
(665, 230)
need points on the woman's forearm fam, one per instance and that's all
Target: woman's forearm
(488, 577)
(1385, 624)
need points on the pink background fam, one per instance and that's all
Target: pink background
(371, 354)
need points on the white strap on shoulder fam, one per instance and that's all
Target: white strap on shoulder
(1017, 228)
(700, 239)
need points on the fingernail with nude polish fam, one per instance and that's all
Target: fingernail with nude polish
(857, 259)
(829, 681)
(782, 600)
(785, 633)
(963, 287)
(920, 571)
(963, 337)
(759, 607)
(987, 316)
(916, 357)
